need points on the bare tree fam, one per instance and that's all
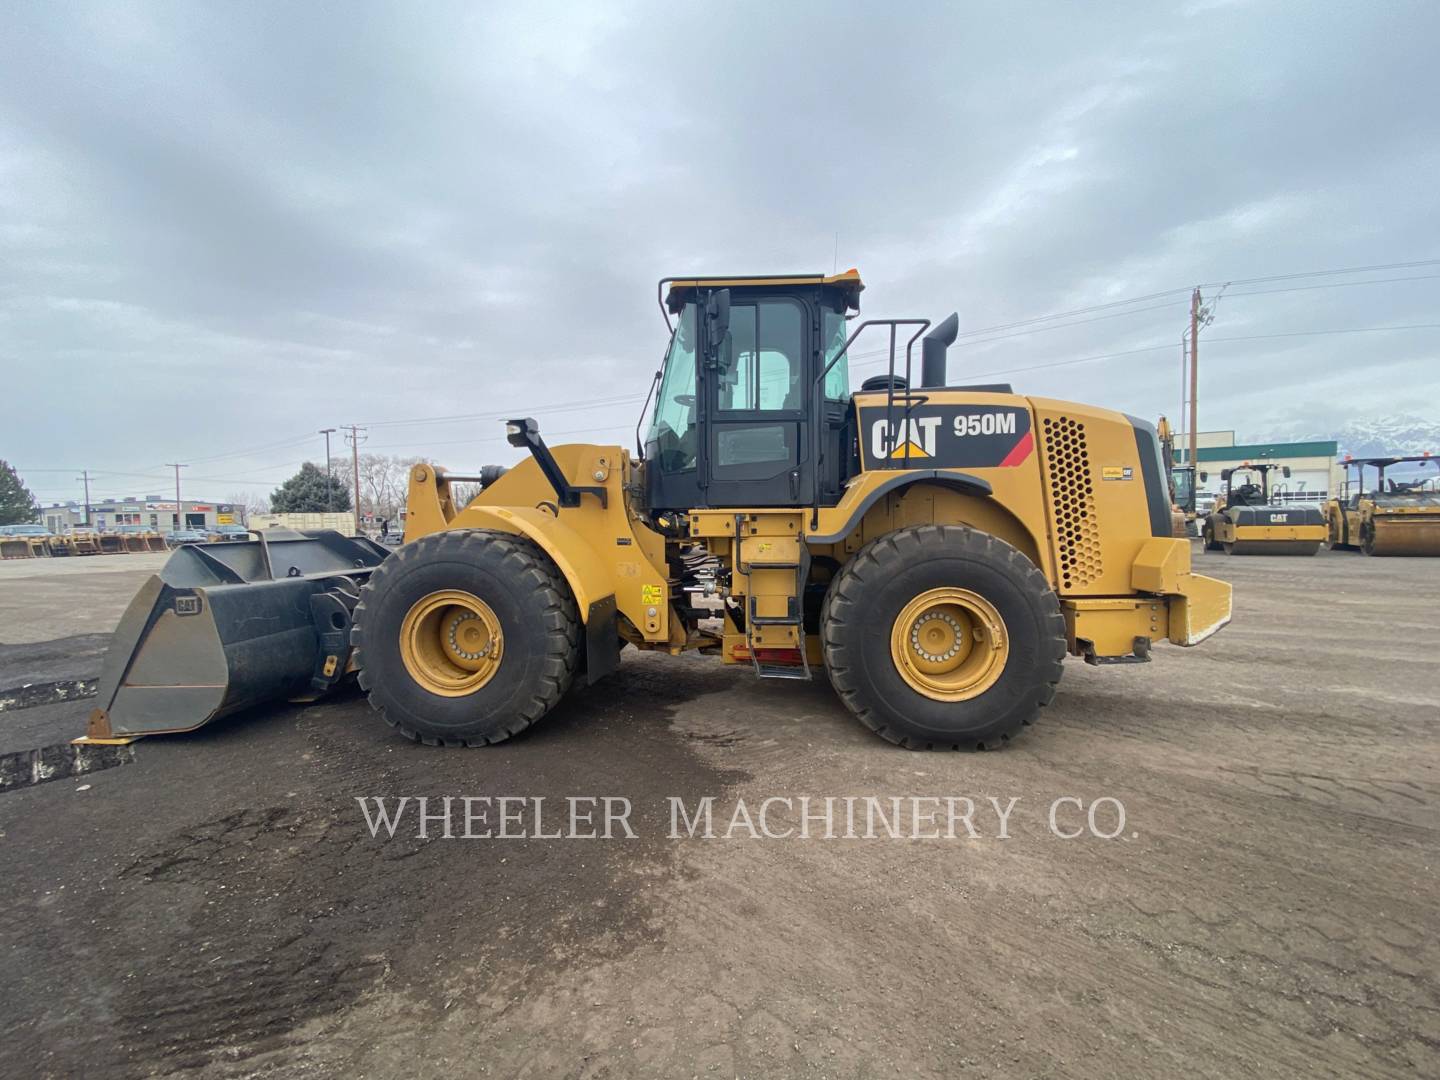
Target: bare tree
(384, 480)
(253, 502)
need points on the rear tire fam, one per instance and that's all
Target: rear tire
(518, 589)
(1229, 548)
(1207, 534)
(878, 590)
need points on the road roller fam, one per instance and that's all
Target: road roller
(1246, 521)
(1395, 517)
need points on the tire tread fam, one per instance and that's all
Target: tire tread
(846, 594)
(521, 559)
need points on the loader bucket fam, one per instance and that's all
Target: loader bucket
(135, 543)
(229, 625)
(111, 544)
(84, 543)
(15, 547)
(154, 542)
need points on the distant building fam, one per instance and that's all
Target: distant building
(152, 512)
(1314, 469)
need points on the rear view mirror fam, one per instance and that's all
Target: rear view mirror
(717, 326)
(1204, 476)
(1285, 471)
(1225, 474)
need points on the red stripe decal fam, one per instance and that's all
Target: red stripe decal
(1020, 451)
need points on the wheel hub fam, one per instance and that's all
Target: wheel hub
(949, 644)
(450, 642)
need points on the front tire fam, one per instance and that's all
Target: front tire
(466, 637)
(1367, 538)
(942, 637)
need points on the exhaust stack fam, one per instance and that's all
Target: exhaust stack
(932, 351)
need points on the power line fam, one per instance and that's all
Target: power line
(296, 441)
(1204, 285)
(1322, 273)
(1171, 345)
(500, 438)
(977, 336)
(1336, 285)
(500, 414)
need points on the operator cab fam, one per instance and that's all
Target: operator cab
(1241, 488)
(746, 385)
(1182, 479)
(1419, 489)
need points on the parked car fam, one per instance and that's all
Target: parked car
(24, 530)
(232, 532)
(180, 537)
(1204, 507)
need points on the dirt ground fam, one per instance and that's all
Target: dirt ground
(218, 906)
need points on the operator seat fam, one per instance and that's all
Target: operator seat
(1249, 495)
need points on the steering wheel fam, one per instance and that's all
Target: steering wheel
(688, 400)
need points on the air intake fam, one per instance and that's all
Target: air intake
(1077, 534)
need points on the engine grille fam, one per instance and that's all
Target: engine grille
(1077, 535)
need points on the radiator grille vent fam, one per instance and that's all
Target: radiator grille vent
(1076, 533)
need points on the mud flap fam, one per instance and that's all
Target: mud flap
(602, 640)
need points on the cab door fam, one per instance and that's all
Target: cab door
(757, 402)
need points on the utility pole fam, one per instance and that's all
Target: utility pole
(179, 506)
(327, 432)
(85, 476)
(1194, 373)
(354, 431)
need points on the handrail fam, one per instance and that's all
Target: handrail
(817, 394)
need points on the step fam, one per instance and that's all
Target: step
(781, 671)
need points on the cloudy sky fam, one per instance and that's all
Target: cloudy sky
(224, 226)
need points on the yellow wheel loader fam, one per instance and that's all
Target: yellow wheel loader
(1396, 517)
(1246, 521)
(937, 549)
(1181, 479)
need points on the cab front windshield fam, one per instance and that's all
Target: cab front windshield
(1184, 481)
(672, 429)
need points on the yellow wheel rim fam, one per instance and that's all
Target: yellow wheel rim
(949, 644)
(450, 643)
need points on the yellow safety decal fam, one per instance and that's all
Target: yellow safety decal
(650, 594)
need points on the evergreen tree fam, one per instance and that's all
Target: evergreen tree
(305, 493)
(17, 504)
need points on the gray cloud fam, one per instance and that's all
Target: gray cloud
(226, 226)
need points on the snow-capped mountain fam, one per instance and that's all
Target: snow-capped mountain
(1370, 437)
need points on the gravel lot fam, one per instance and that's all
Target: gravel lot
(218, 907)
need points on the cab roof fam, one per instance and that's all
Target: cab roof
(1386, 462)
(682, 289)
